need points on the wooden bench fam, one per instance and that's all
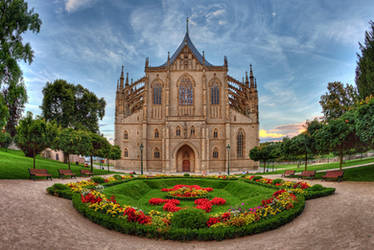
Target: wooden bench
(86, 172)
(39, 172)
(308, 174)
(335, 174)
(288, 173)
(65, 172)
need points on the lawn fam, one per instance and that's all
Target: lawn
(14, 165)
(324, 166)
(138, 192)
(365, 173)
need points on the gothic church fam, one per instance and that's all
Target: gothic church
(187, 115)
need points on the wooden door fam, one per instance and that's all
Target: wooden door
(186, 166)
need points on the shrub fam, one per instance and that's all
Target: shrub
(98, 179)
(316, 187)
(257, 177)
(189, 218)
(186, 174)
(117, 177)
(277, 181)
(59, 186)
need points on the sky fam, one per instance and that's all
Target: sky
(295, 46)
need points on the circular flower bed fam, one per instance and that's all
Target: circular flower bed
(179, 222)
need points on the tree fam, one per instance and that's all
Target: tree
(365, 65)
(3, 113)
(15, 20)
(364, 116)
(264, 152)
(98, 143)
(15, 98)
(338, 135)
(5, 139)
(72, 106)
(337, 100)
(114, 154)
(73, 142)
(35, 135)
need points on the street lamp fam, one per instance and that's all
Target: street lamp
(141, 158)
(228, 159)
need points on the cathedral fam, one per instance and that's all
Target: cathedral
(186, 115)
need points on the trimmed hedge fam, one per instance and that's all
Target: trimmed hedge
(184, 234)
(60, 190)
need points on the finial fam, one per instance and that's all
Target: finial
(187, 25)
(117, 84)
(255, 83)
(127, 78)
(203, 57)
(246, 78)
(251, 76)
(122, 71)
(131, 81)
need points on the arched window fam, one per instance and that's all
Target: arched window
(157, 94)
(215, 153)
(240, 144)
(126, 153)
(215, 133)
(156, 153)
(156, 133)
(192, 131)
(185, 91)
(214, 95)
(126, 135)
(178, 131)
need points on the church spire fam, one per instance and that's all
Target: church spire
(121, 79)
(246, 79)
(251, 78)
(187, 25)
(127, 79)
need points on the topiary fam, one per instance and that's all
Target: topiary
(117, 177)
(98, 179)
(316, 187)
(189, 218)
(186, 174)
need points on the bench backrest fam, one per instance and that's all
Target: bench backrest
(289, 172)
(335, 173)
(65, 171)
(38, 171)
(308, 173)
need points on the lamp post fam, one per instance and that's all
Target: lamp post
(228, 159)
(141, 158)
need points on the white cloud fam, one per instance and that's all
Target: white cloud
(73, 5)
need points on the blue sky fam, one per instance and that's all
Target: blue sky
(295, 47)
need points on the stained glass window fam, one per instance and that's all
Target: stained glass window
(240, 144)
(214, 95)
(157, 94)
(185, 91)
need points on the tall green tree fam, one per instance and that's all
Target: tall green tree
(15, 19)
(337, 100)
(3, 113)
(265, 152)
(35, 135)
(72, 106)
(15, 98)
(111, 152)
(98, 144)
(365, 65)
(364, 116)
(5, 139)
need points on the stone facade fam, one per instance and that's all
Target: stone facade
(185, 113)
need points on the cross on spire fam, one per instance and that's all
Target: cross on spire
(187, 25)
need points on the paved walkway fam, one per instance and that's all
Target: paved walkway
(32, 219)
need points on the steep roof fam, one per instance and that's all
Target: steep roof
(187, 41)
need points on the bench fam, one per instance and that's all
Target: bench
(288, 173)
(308, 174)
(39, 172)
(86, 172)
(335, 174)
(65, 172)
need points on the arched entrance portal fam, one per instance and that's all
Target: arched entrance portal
(185, 159)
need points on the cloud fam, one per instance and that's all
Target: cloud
(265, 134)
(73, 5)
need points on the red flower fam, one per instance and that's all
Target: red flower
(201, 201)
(212, 221)
(218, 201)
(171, 207)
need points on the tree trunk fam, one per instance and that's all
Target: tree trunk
(306, 160)
(91, 160)
(66, 155)
(68, 160)
(341, 158)
(264, 166)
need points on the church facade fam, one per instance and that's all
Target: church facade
(187, 115)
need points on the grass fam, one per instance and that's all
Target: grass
(324, 166)
(138, 192)
(14, 165)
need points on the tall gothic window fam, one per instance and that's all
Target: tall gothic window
(215, 153)
(192, 131)
(215, 133)
(126, 153)
(185, 91)
(156, 153)
(126, 135)
(240, 144)
(156, 133)
(214, 95)
(178, 131)
(157, 93)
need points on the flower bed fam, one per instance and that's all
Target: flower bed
(187, 192)
(286, 202)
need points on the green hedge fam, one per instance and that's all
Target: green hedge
(184, 234)
(60, 190)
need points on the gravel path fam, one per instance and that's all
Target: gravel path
(32, 219)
